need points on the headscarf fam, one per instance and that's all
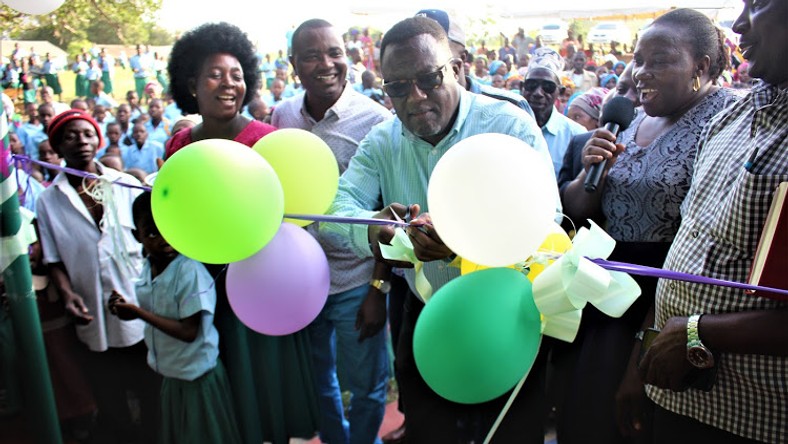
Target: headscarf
(590, 101)
(571, 99)
(607, 78)
(494, 66)
(621, 64)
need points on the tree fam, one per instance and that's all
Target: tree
(101, 21)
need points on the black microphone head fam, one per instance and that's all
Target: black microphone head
(618, 110)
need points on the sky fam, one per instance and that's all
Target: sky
(267, 25)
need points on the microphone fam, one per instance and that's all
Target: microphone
(616, 117)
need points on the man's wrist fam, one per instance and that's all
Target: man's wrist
(383, 286)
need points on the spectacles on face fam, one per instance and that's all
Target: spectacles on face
(426, 82)
(547, 86)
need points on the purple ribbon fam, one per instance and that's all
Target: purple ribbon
(27, 160)
(641, 270)
(346, 220)
(777, 294)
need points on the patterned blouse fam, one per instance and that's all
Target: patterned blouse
(645, 187)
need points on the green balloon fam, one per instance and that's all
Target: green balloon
(217, 201)
(307, 169)
(478, 335)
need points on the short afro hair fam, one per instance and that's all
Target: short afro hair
(412, 27)
(306, 26)
(190, 51)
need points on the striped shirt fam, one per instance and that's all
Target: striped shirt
(393, 165)
(342, 128)
(722, 219)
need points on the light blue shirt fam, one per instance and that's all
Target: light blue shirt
(557, 132)
(31, 135)
(105, 100)
(140, 66)
(393, 165)
(182, 290)
(268, 69)
(172, 112)
(143, 158)
(159, 133)
(342, 128)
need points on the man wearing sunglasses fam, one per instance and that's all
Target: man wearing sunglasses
(540, 89)
(391, 170)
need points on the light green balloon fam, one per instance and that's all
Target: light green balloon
(217, 201)
(307, 169)
(478, 335)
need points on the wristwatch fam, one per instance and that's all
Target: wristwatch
(383, 286)
(697, 353)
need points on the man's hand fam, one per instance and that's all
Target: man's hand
(122, 309)
(384, 233)
(427, 245)
(75, 306)
(371, 316)
(665, 364)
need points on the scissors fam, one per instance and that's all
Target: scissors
(409, 218)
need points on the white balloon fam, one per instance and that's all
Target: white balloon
(492, 199)
(34, 7)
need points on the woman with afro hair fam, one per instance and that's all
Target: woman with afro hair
(213, 72)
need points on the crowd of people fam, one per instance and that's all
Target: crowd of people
(144, 347)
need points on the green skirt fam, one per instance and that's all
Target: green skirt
(271, 378)
(53, 82)
(81, 85)
(199, 411)
(107, 79)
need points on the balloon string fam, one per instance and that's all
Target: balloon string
(510, 401)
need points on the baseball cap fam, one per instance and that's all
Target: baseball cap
(453, 30)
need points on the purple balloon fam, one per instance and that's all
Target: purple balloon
(281, 288)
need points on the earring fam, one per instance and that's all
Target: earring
(696, 83)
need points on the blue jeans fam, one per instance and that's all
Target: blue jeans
(363, 365)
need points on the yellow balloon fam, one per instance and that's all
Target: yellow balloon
(467, 267)
(557, 242)
(306, 168)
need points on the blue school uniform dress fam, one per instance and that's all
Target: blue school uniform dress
(196, 400)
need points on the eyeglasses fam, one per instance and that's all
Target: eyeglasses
(547, 86)
(426, 82)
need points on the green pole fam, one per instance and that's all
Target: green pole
(39, 398)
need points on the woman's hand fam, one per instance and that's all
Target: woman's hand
(600, 147)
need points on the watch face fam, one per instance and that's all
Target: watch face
(700, 357)
(385, 287)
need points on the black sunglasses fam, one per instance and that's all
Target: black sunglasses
(426, 82)
(547, 86)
